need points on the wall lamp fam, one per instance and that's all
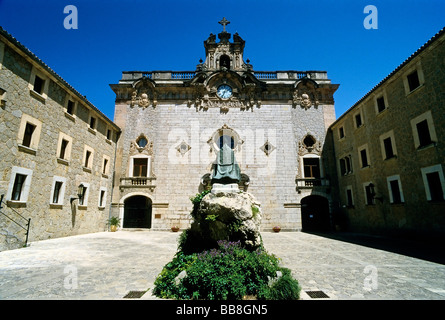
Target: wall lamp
(373, 193)
(80, 193)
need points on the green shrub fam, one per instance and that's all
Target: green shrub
(227, 272)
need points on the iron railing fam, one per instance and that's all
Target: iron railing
(24, 227)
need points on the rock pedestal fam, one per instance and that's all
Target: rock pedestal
(232, 216)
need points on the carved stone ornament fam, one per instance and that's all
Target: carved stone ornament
(309, 145)
(183, 147)
(304, 98)
(142, 100)
(141, 145)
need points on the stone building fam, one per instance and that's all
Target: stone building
(54, 145)
(174, 122)
(390, 153)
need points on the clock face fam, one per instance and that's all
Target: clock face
(224, 91)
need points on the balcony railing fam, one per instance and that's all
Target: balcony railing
(182, 75)
(137, 182)
(310, 183)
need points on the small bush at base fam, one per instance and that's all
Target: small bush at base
(227, 272)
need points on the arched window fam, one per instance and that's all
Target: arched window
(224, 61)
(226, 139)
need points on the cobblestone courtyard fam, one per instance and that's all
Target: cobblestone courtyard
(109, 265)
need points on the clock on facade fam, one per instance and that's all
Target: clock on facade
(224, 91)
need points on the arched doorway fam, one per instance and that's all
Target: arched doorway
(315, 213)
(137, 212)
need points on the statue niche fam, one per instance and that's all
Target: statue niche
(226, 169)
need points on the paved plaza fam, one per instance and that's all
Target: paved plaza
(109, 265)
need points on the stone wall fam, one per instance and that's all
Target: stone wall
(40, 161)
(415, 214)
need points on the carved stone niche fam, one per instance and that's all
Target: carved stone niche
(144, 94)
(309, 145)
(305, 94)
(141, 145)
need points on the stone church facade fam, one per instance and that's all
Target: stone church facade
(174, 123)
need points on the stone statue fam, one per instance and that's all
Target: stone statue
(226, 169)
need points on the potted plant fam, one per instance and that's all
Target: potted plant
(276, 229)
(114, 223)
(175, 228)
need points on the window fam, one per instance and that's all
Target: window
(388, 148)
(140, 167)
(105, 165)
(395, 189)
(363, 156)
(341, 132)
(142, 142)
(82, 199)
(108, 134)
(369, 195)
(19, 184)
(434, 182)
(435, 186)
(93, 123)
(388, 145)
(349, 198)
(311, 167)
(63, 146)
(70, 107)
(381, 104)
(56, 192)
(27, 136)
(424, 133)
(38, 84)
(88, 158)
(413, 80)
(358, 120)
(102, 197)
(346, 165)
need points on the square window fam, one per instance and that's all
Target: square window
(381, 104)
(395, 191)
(140, 167)
(369, 195)
(435, 186)
(38, 84)
(358, 120)
(56, 191)
(87, 159)
(92, 123)
(349, 199)
(63, 147)
(423, 133)
(17, 188)
(83, 198)
(341, 132)
(102, 198)
(413, 80)
(389, 152)
(70, 107)
(364, 158)
(27, 137)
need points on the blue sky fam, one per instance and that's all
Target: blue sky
(115, 36)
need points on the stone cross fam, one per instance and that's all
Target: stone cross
(224, 22)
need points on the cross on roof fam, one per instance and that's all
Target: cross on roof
(224, 22)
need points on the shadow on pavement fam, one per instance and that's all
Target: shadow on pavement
(429, 250)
